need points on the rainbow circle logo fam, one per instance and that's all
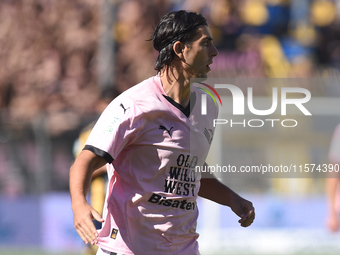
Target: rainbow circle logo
(209, 93)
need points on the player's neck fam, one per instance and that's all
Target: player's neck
(176, 86)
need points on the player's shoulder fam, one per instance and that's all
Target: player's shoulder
(146, 94)
(143, 95)
(147, 87)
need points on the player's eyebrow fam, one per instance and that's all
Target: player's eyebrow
(208, 38)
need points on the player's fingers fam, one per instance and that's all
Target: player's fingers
(91, 232)
(97, 216)
(248, 219)
(88, 230)
(333, 223)
(83, 234)
(247, 213)
(334, 227)
(247, 223)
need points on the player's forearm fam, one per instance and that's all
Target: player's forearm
(331, 186)
(214, 190)
(81, 175)
(99, 172)
(80, 179)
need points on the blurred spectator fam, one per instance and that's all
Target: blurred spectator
(135, 55)
(47, 70)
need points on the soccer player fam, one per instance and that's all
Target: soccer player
(332, 184)
(151, 137)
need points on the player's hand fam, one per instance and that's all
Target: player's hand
(333, 222)
(244, 209)
(83, 215)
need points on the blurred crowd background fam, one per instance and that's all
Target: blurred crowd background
(50, 66)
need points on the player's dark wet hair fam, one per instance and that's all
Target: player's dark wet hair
(174, 26)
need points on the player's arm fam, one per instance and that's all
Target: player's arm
(212, 189)
(80, 180)
(332, 217)
(99, 172)
(332, 183)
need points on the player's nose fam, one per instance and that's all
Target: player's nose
(214, 51)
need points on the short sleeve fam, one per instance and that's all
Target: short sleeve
(117, 127)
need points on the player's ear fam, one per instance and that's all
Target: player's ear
(178, 49)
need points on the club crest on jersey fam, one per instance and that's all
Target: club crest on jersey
(114, 233)
(167, 130)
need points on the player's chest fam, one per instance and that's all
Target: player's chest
(171, 133)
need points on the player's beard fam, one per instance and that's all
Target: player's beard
(194, 74)
(200, 75)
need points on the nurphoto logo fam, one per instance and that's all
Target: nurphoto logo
(240, 101)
